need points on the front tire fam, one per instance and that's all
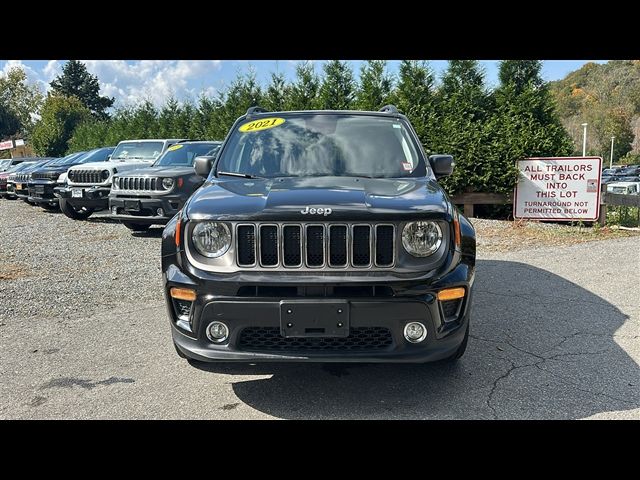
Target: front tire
(76, 213)
(137, 227)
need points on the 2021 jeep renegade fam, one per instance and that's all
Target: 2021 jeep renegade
(320, 236)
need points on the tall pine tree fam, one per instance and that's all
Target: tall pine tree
(464, 106)
(338, 88)
(375, 86)
(304, 91)
(244, 92)
(414, 96)
(525, 123)
(276, 97)
(76, 81)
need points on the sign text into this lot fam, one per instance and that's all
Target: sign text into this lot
(563, 188)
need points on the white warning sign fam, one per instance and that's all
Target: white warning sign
(558, 188)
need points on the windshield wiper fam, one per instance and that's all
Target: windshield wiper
(236, 174)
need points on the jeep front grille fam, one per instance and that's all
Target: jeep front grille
(45, 175)
(315, 245)
(86, 176)
(138, 183)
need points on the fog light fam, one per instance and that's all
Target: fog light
(217, 332)
(114, 210)
(160, 212)
(415, 332)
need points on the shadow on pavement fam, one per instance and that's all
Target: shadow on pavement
(541, 347)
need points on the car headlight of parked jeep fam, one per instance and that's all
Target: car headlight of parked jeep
(105, 174)
(421, 239)
(211, 239)
(167, 183)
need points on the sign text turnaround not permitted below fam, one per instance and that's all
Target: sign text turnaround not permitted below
(562, 188)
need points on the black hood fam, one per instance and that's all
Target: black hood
(349, 198)
(54, 169)
(169, 171)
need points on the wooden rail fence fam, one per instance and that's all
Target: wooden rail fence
(478, 198)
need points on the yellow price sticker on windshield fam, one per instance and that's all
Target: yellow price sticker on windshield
(174, 147)
(262, 124)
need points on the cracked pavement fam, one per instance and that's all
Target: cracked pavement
(555, 335)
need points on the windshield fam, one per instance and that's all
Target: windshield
(97, 155)
(4, 164)
(302, 145)
(70, 158)
(138, 151)
(21, 166)
(183, 154)
(619, 189)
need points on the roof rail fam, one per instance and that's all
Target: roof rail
(256, 109)
(389, 109)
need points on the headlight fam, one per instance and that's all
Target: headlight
(211, 239)
(105, 174)
(421, 239)
(167, 183)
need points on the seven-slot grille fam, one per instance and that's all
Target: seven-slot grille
(45, 175)
(138, 183)
(321, 245)
(86, 176)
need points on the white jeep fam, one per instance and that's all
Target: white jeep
(88, 185)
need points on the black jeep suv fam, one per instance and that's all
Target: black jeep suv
(153, 195)
(320, 236)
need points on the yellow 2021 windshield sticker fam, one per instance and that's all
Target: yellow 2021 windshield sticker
(262, 124)
(174, 147)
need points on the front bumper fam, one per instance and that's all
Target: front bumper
(408, 302)
(92, 197)
(10, 191)
(144, 210)
(42, 192)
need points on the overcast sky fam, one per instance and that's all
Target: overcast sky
(132, 81)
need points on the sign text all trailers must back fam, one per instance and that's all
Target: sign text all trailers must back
(562, 188)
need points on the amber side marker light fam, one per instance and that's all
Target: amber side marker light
(183, 294)
(456, 230)
(451, 294)
(178, 231)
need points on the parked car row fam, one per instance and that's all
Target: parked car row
(142, 182)
(630, 173)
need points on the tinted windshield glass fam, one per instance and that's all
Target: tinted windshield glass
(98, 155)
(69, 159)
(138, 151)
(321, 145)
(184, 153)
(22, 166)
(4, 164)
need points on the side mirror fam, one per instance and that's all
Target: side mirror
(442, 165)
(203, 165)
(108, 157)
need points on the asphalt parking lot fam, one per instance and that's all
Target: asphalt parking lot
(84, 335)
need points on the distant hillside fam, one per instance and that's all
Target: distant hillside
(607, 97)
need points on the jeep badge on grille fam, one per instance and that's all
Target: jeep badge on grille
(316, 211)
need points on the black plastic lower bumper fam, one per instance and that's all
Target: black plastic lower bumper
(145, 210)
(42, 192)
(90, 197)
(265, 315)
